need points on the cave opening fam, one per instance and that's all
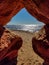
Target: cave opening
(23, 17)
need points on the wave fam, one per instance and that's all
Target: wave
(30, 28)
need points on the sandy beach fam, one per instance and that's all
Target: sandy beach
(26, 55)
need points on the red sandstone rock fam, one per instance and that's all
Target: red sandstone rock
(37, 8)
(40, 43)
(9, 8)
(9, 45)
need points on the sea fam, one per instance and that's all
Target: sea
(29, 28)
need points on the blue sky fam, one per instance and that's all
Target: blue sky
(23, 17)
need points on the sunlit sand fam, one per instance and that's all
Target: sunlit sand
(26, 55)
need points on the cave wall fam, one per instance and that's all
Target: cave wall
(37, 8)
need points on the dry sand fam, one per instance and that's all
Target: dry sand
(26, 55)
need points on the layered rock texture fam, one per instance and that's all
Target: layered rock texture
(40, 43)
(37, 8)
(9, 46)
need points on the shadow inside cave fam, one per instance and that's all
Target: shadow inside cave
(6, 61)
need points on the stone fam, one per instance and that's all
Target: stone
(9, 8)
(40, 43)
(37, 8)
(9, 46)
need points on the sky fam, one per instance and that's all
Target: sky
(23, 17)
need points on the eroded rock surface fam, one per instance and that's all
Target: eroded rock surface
(40, 43)
(37, 8)
(9, 46)
(8, 8)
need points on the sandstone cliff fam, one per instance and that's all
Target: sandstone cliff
(9, 45)
(40, 43)
(37, 8)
